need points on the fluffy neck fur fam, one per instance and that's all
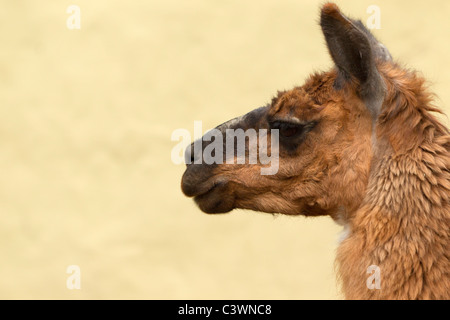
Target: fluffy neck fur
(402, 225)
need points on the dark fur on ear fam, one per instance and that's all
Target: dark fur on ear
(379, 50)
(354, 50)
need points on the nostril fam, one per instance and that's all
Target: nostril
(189, 154)
(193, 153)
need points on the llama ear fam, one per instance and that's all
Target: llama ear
(354, 50)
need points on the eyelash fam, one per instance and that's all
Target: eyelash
(287, 129)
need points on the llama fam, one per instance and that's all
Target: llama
(360, 144)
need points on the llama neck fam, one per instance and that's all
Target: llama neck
(402, 226)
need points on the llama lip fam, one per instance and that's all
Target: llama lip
(213, 186)
(210, 193)
(197, 180)
(195, 183)
(216, 200)
(192, 190)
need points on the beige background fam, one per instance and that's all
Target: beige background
(86, 118)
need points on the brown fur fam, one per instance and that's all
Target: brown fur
(382, 173)
(402, 225)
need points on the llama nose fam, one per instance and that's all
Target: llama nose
(193, 153)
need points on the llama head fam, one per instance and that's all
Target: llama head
(323, 130)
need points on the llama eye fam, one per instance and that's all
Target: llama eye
(286, 129)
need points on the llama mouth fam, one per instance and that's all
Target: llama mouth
(210, 189)
(199, 191)
(197, 180)
(195, 188)
(216, 199)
